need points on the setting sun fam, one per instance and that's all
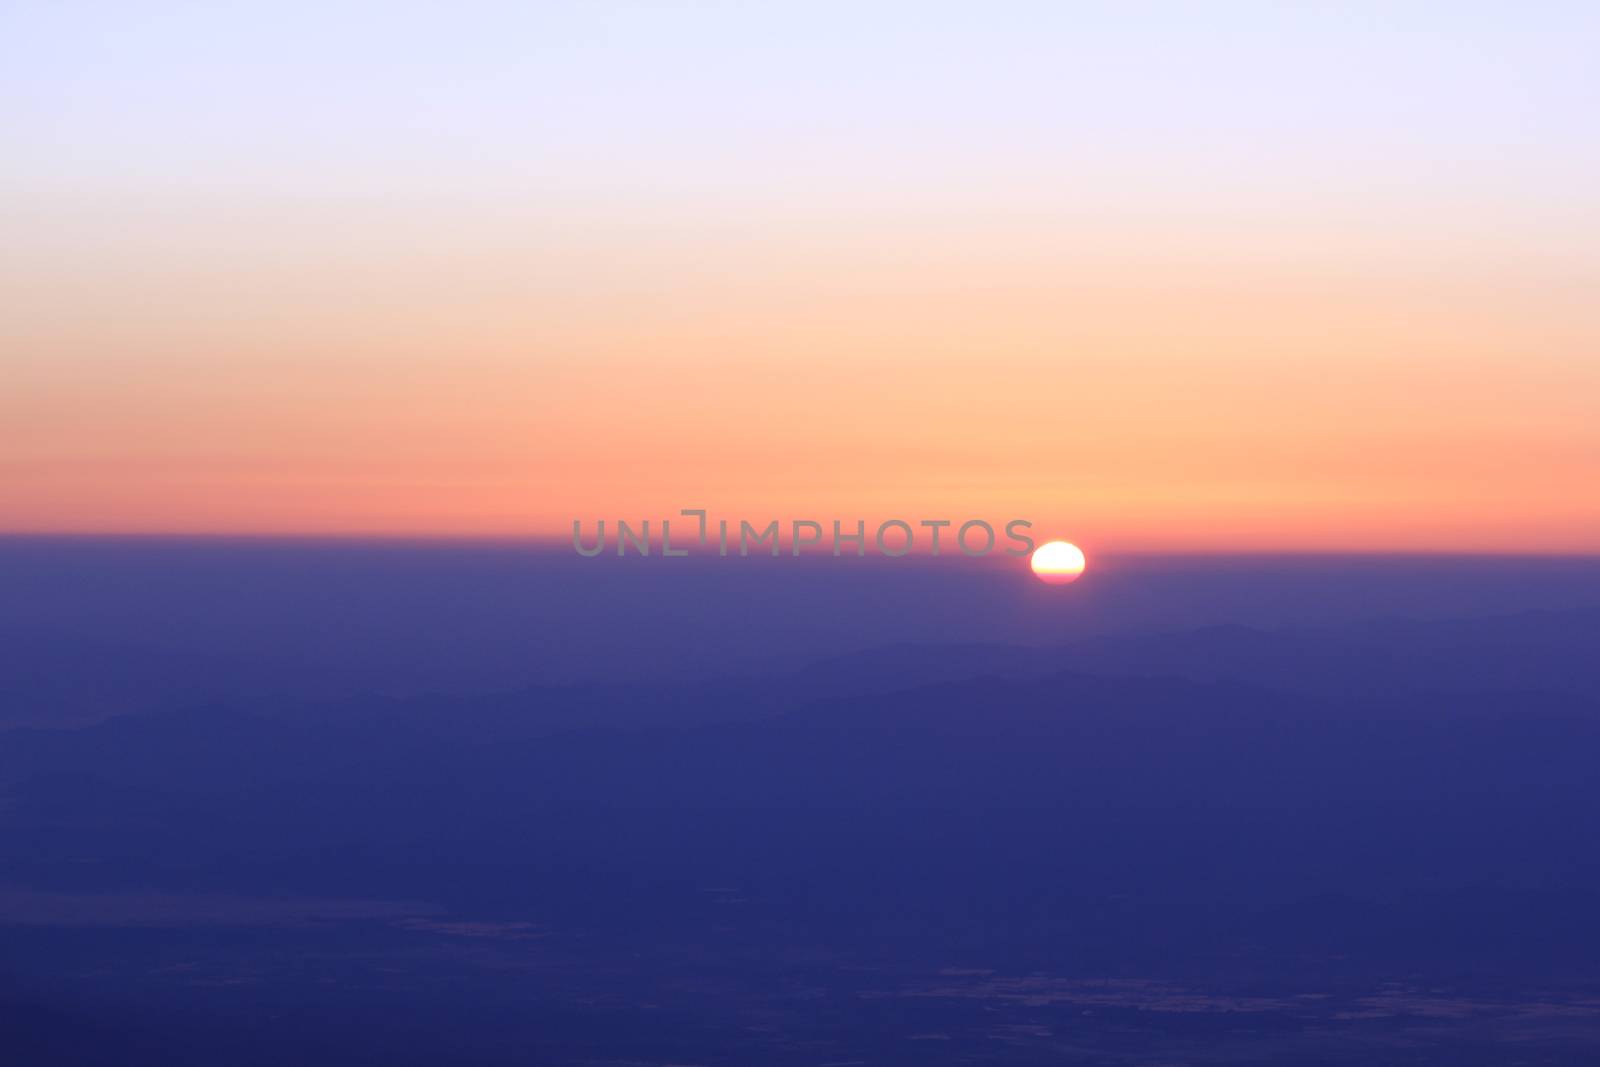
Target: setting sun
(1058, 562)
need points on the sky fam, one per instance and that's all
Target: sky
(1158, 277)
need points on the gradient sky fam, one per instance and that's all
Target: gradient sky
(1156, 276)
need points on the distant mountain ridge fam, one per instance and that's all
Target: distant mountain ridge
(1542, 651)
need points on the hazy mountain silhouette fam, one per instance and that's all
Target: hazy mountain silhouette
(91, 628)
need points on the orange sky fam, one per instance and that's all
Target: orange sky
(1208, 330)
(1135, 395)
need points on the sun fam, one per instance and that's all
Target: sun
(1058, 562)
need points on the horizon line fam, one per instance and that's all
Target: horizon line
(545, 544)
